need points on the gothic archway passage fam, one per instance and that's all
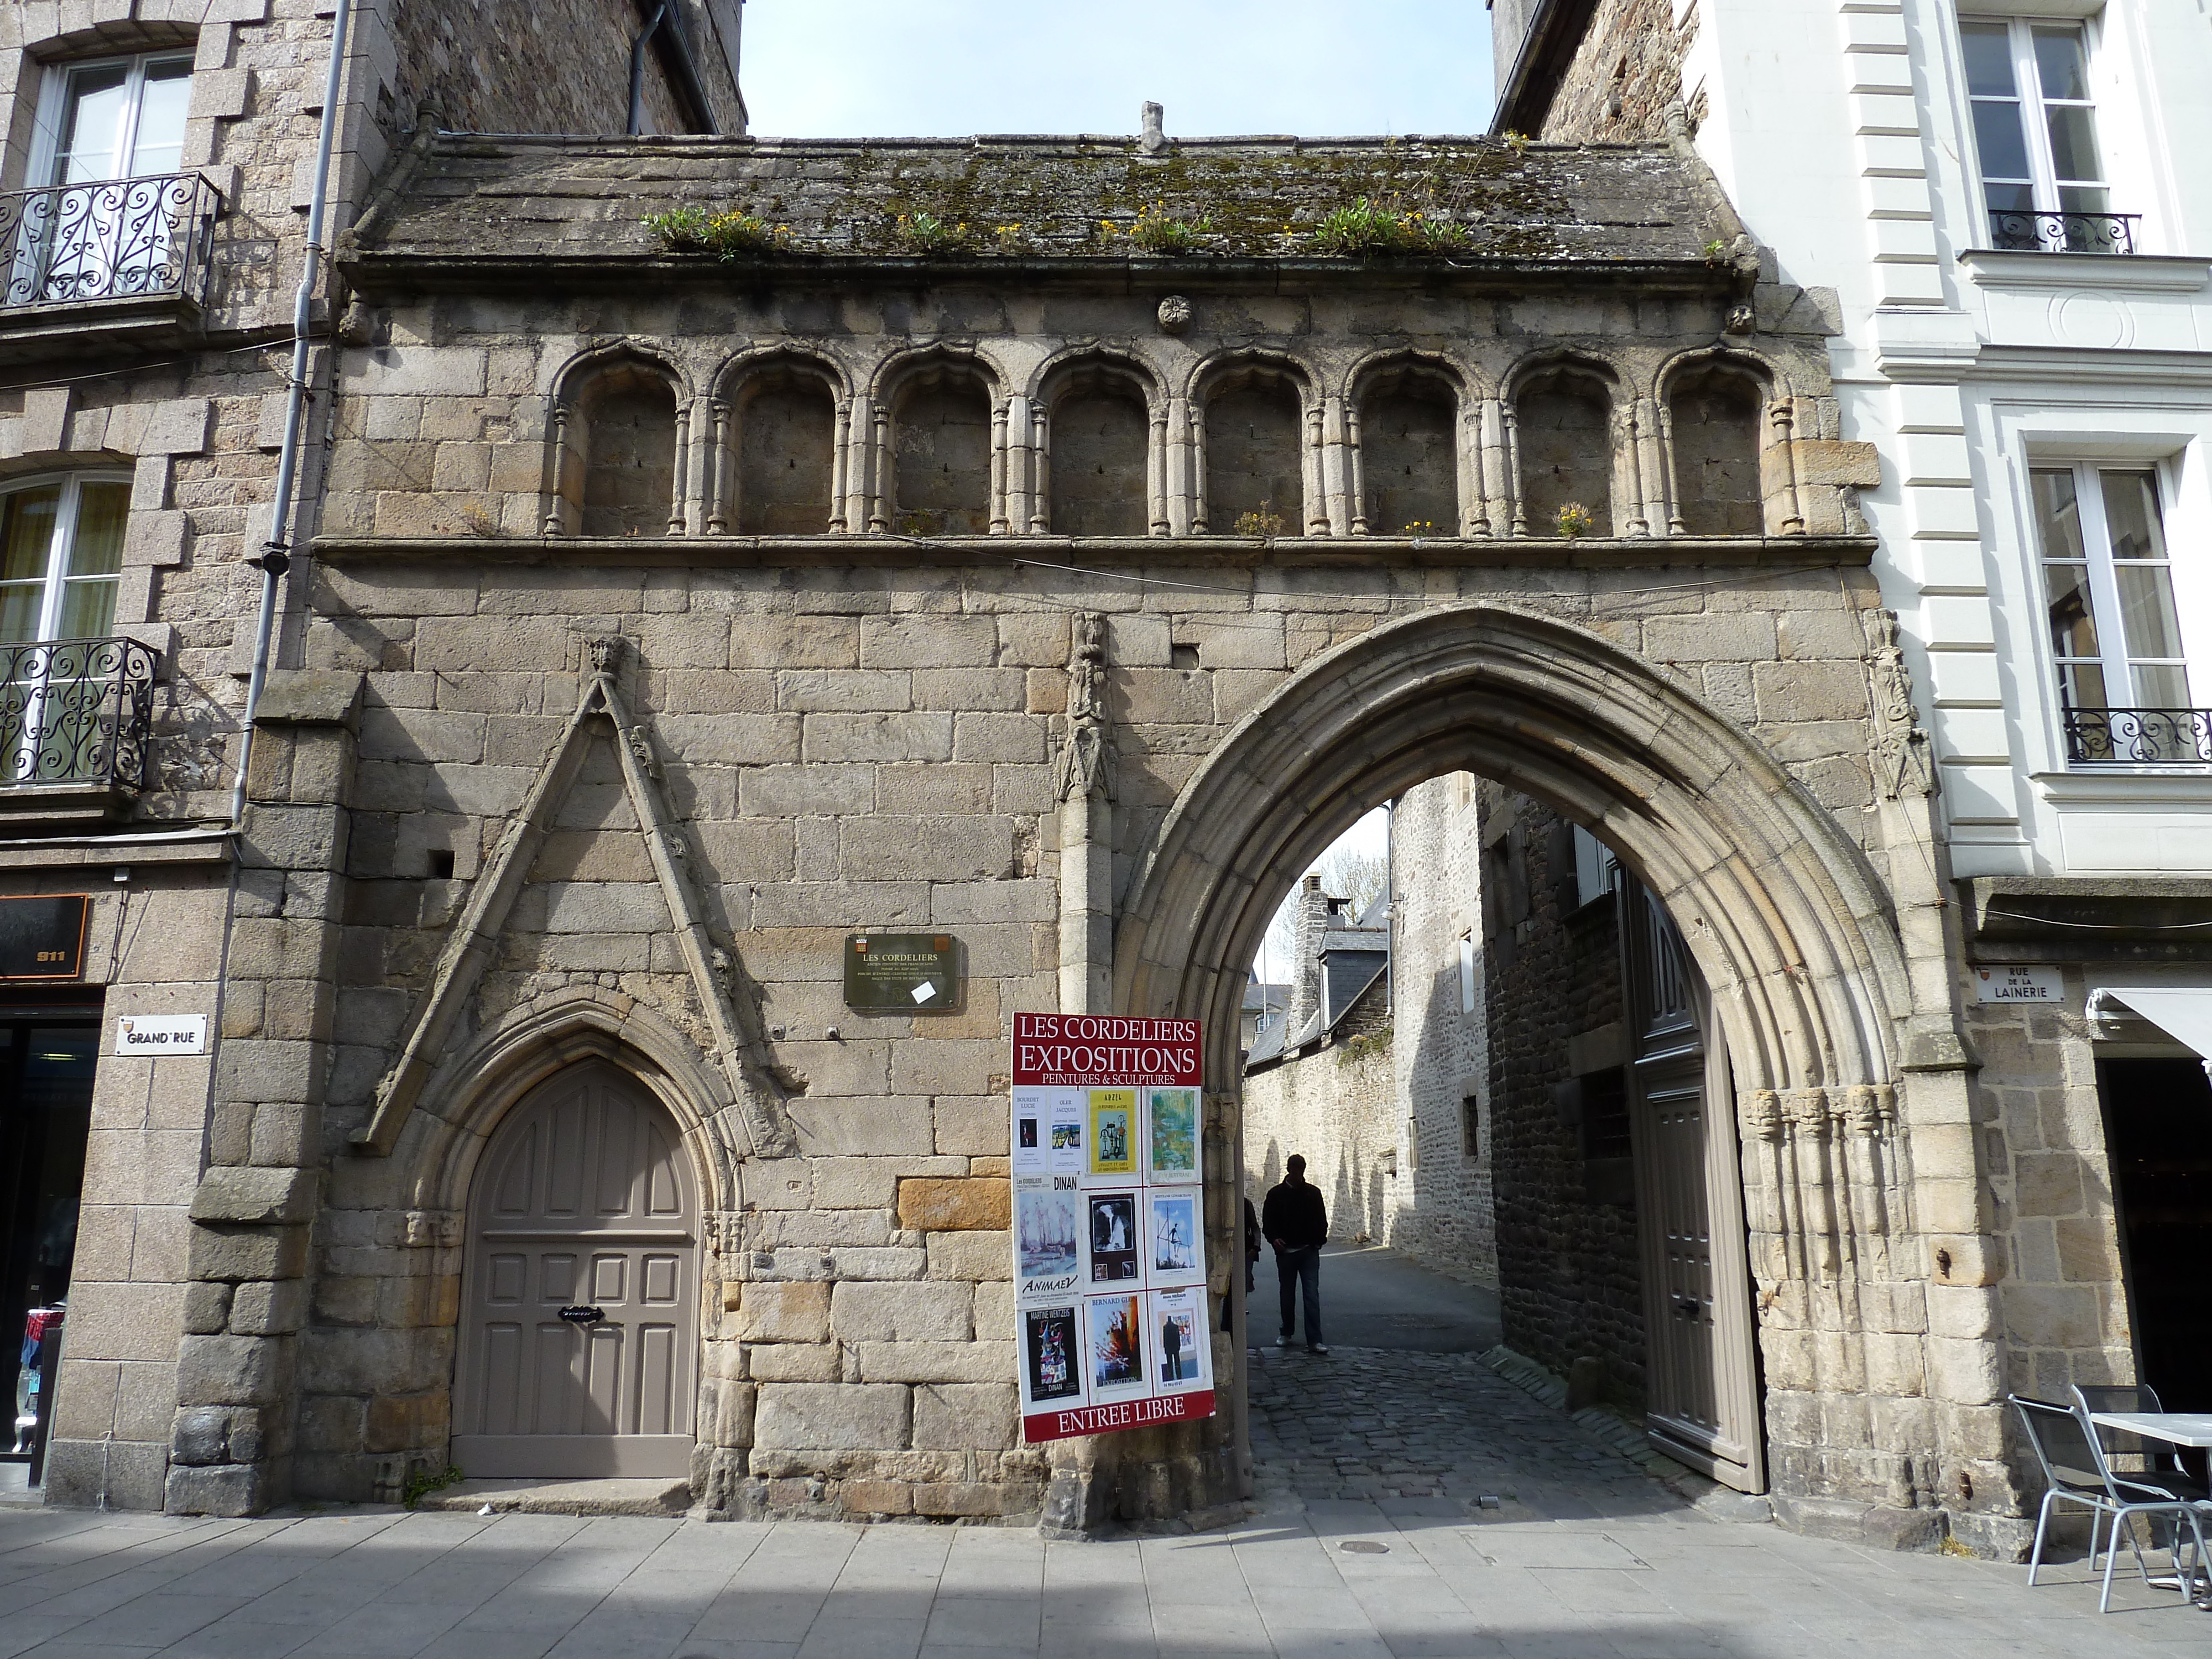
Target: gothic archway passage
(581, 1291)
(1781, 909)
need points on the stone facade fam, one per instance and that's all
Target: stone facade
(1441, 1044)
(527, 796)
(1392, 1106)
(1570, 1279)
(186, 400)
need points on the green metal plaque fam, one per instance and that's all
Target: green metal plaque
(902, 973)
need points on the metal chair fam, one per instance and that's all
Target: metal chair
(2162, 1464)
(2073, 1464)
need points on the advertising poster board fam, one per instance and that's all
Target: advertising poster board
(1110, 1235)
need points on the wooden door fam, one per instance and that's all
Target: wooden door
(1701, 1387)
(580, 1289)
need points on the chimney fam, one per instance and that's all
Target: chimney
(1313, 917)
(1155, 141)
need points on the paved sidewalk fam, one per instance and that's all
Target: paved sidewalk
(1344, 1579)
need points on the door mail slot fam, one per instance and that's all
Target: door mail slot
(584, 1315)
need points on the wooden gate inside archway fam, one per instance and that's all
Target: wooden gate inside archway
(580, 1292)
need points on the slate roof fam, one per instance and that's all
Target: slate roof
(503, 199)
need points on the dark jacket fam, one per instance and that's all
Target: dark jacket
(1294, 1213)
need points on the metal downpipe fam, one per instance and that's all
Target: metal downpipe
(276, 556)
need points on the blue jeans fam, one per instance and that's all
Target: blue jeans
(1293, 1267)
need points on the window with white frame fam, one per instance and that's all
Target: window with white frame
(106, 212)
(74, 704)
(2035, 132)
(2116, 638)
(61, 554)
(113, 117)
(1596, 870)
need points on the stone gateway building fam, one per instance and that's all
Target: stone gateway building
(726, 548)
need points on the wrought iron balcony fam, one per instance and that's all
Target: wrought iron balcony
(75, 713)
(118, 238)
(2138, 735)
(2063, 233)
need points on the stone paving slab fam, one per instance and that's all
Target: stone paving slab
(1372, 1542)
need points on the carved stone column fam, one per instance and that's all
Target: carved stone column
(1082, 783)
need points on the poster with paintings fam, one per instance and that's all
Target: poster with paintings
(1109, 1225)
(1117, 1344)
(1175, 1330)
(1048, 1133)
(1052, 1353)
(1171, 1143)
(1113, 1135)
(1175, 1246)
(1049, 1231)
(1113, 1239)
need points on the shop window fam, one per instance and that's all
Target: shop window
(45, 1117)
(2115, 637)
(1099, 435)
(1713, 413)
(629, 455)
(787, 443)
(2035, 133)
(1409, 458)
(1565, 424)
(1255, 473)
(941, 448)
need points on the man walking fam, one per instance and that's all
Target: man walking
(1296, 1224)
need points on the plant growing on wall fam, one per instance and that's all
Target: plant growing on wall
(730, 234)
(1575, 519)
(1370, 226)
(1155, 231)
(929, 236)
(1263, 522)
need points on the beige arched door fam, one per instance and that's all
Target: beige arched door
(580, 1295)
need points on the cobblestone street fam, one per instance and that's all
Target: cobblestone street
(1378, 1427)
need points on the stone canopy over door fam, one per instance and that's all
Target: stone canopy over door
(583, 1202)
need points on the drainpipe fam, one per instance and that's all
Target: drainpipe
(276, 556)
(637, 67)
(682, 67)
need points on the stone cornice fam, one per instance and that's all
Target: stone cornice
(1085, 553)
(377, 274)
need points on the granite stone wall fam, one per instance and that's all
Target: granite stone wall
(1568, 1263)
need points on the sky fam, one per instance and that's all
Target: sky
(842, 69)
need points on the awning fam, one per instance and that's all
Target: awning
(2183, 1012)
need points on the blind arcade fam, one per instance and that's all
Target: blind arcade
(1109, 1239)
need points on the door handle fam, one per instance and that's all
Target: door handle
(584, 1315)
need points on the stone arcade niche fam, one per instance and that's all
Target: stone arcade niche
(1564, 420)
(624, 433)
(1100, 433)
(1713, 412)
(787, 420)
(941, 453)
(1408, 454)
(1255, 475)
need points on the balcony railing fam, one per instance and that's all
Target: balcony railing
(2063, 233)
(75, 712)
(118, 239)
(2138, 735)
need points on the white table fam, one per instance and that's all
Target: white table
(2175, 1428)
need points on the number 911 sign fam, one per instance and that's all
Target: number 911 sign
(1109, 1230)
